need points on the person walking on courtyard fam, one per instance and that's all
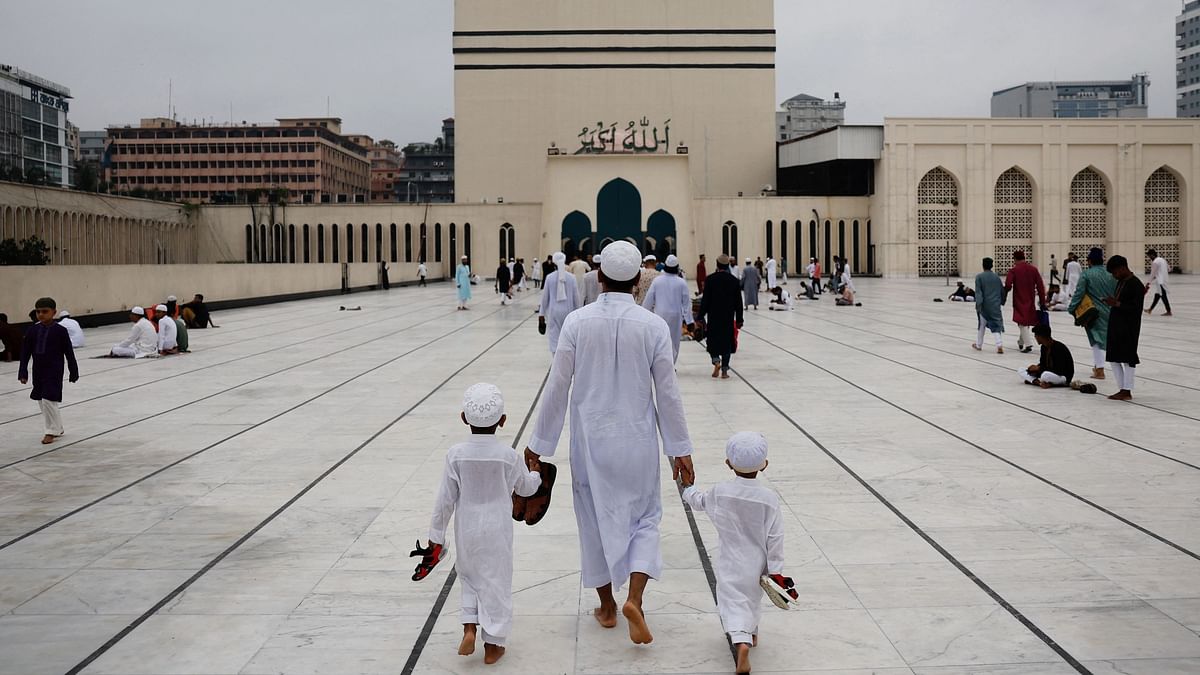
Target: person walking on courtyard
(1025, 283)
(579, 267)
(721, 311)
(609, 354)
(647, 277)
(1055, 368)
(1053, 269)
(535, 273)
(701, 275)
(591, 282)
(772, 273)
(670, 298)
(479, 478)
(422, 272)
(462, 279)
(1072, 271)
(547, 268)
(504, 283)
(749, 524)
(1124, 325)
(1087, 306)
(518, 278)
(750, 284)
(989, 297)
(817, 277)
(48, 345)
(560, 298)
(1159, 269)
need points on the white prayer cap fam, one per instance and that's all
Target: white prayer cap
(483, 405)
(649, 258)
(671, 261)
(138, 310)
(171, 298)
(62, 314)
(596, 258)
(747, 451)
(160, 308)
(462, 258)
(559, 258)
(747, 261)
(620, 261)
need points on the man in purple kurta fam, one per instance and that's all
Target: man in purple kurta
(1025, 283)
(48, 344)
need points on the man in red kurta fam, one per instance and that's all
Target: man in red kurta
(1025, 283)
(701, 275)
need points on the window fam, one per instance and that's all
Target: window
(334, 238)
(770, 239)
(306, 245)
(320, 243)
(437, 242)
(392, 234)
(408, 248)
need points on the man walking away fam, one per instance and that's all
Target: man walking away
(1158, 275)
(750, 283)
(721, 310)
(1025, 284)
(670, 299)
(1124, 325)
(422, 272)
(701, 275)
(989, 296)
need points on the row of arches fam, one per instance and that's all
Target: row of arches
(350, 242)
(1015, 216)
(76, 238)
(619, 217)
(847, 239)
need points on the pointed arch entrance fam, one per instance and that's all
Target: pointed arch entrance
(619, 211)
(576, 234)
(660, 234)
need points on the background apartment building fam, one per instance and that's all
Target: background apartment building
(803, 114)
(427, 174)
(34, 141)
(1187, 61)
(386, 161)
(1099, 98)
(306, 159)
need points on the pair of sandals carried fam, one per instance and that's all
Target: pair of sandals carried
(780, 590)
(530, 510)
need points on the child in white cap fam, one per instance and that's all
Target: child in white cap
(479, 479)
(750, 528)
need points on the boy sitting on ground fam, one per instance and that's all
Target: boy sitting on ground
(1056, 367)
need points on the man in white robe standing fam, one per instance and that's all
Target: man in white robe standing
(560, 297)
(591, 282)
(772, 279)
(670, 298)
(609, 354)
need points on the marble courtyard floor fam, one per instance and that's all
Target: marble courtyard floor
(249, 507)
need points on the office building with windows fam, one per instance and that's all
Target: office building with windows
(1187, 60)
(306, 159)
(34, 127)
(427, 174)
(802, 115)
(1088, 99)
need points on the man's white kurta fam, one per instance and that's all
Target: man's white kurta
(614, 370)
(142, 341)
(670, 298)
(556, 310)
(168, 334)
(1159, 269)
(74, 331)
(771, 278)
(478, 480)
(750, 534)
(591, 287)
(1074, 271)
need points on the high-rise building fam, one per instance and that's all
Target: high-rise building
(802, 115)
(33, 127)
(428, 171)
(306, 158)
(1187, 60)
(1100, 98)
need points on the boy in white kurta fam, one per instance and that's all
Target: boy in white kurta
(478, 481)
(750, 530)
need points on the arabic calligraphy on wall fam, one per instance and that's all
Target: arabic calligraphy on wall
(637, 137)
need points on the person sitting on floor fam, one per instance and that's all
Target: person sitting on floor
(1056, 300)
(142, 340)
(73, 328)
(962, 294)
(196, 314)
(1056, 367)
(782, 300)
(167, 332)
(847, 298)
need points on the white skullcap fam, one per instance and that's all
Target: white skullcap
(62, 314)
(596, 258)
(649, 258)
(483, 405)
(138, 310)
(171, 298)
(671, 261)
(559, 258)
(747, 451)
(461, 258)
(747, 261)
(620, 261)
(160, 308)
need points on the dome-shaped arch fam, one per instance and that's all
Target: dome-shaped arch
(1012, 216)
(619, 211)
(660, 228)
(576, 233)
(1163, 214)
(937, 223)
(1089, 211)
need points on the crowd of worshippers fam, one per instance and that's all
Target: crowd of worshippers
(1105, 300)
(162, 329)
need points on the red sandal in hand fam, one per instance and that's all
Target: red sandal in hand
(780, 590)
(430, 557)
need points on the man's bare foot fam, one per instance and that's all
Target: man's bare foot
(1122, 395)
(716, 371)
(492, 653)
(1043, 384)
(724, 374)
(1097, 373)
(639, 632)
(999, 350)
(743, 658)
(606, 616)
(48, 439)
(467, 646)
(1148, 312)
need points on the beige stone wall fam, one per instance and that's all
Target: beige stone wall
(1050, 152)
(86, 228)
(96, 289)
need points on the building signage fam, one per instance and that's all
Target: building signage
(634, 138)
(51, 100)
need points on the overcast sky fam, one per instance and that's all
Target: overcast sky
(386, 66)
